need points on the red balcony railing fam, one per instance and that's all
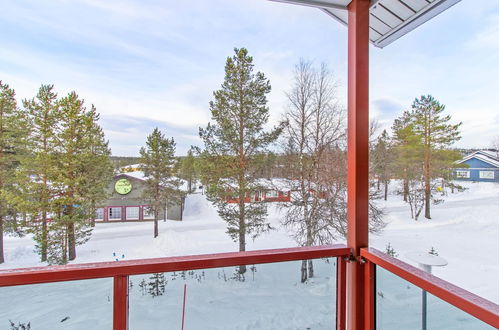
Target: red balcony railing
(373, 264)
(482, 309)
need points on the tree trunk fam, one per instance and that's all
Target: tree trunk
(304, 271)
(65, 247)
(71, 241)
(310, 268)
(92, 220)
(1, 241)
(310, 243)
(406, 189)
(427, 199)
(386, 190)
(43, 247)
(242, 233)
(156, 233)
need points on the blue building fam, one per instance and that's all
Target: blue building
(482, 165)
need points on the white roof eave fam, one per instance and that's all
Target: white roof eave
(387, 23)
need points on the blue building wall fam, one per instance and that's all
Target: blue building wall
(474, 168)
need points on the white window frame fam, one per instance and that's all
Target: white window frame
(486, 175)
(99, 211)
(135, 215)
(272, 194)
(109, 213)
(462, 174)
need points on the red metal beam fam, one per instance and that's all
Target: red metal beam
(358, 155)
(120, 303)
(477, 306)
(158, 265)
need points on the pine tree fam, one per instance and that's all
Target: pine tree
(436, 136)
(391, 251)
(232, 142)
(381, 160)
(39, 167)
(188, 170)
(98, 168)
(80, 147)
(13, 131)
(158, 163)
(157, 284)
(407, 152)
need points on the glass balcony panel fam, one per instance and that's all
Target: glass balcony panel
(442, 315)
(399, 305)
(398, 302)
(76, 305)
(271, 296)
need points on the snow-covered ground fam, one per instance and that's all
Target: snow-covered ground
(464, 230)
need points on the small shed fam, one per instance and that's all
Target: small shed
(481, 165)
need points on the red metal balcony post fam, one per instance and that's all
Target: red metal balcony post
(369, 295)
(120, 303)
(358, 156)
(341, 290)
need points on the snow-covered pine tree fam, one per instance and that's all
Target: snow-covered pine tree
(233, 143)
(158, 163)
(157, 284)
(381, 161)
(13, 129)
(20, 326)
(39, 167)
(407, 149)
(433, 251)
(188, 170)
(80, 147)
(391, 251)
(143, 286)
(436, 135)
(98, 169)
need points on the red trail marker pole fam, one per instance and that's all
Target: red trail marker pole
(183, 307)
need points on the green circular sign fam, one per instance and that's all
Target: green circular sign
(123, 186)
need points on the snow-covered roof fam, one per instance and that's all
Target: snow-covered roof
(131, 166)
(140, 176)
(136, 174)
(483, 156)
(488, 153)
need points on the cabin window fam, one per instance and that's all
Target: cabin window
(114, 213)
(486, 174)
(148, 212)
(132, 213)
(463, 174)
(272, 194)
(99, 213)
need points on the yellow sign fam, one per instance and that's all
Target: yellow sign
(123, 186)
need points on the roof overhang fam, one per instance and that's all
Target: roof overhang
(389, 19)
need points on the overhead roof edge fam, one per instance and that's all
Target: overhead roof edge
(389, 19)
(421, 17)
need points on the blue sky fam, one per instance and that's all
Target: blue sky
(156, 63)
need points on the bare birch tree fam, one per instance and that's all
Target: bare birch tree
(315, 123)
